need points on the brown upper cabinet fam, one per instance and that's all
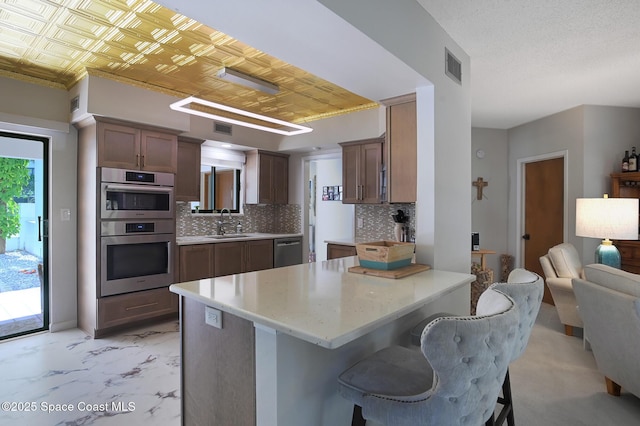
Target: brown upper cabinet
(126, 146)
(187, 185)
(401, 149)
(361, 169)
(267, 178)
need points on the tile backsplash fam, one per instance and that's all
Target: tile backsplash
(280, 219)
(378, 223)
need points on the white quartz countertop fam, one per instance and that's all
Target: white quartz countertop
(204, 239)
(351, 241)
(321, 302)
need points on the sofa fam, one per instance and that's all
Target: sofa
(560, 265)
(609, 304)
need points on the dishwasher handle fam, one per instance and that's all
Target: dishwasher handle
(288, 243)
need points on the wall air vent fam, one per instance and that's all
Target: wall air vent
(453, 67)
(222, 128)
(74, 105)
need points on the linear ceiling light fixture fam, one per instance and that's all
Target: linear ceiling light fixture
(181, 106)
(247, 80)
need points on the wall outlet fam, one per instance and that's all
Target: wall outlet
(213, 316)
(360, 222)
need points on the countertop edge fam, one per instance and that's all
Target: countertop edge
(201, 239)
(332, 343)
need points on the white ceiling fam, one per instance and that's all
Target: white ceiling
(533, 58)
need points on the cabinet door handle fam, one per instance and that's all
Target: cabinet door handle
(137, 160)
(142, 161)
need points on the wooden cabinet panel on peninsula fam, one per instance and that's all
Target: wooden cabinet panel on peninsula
(401, 149)
(335, 251)
(128, 146)
(187, 185)
(361, 167)
(627, 185)
(267, 178)
(243, 256)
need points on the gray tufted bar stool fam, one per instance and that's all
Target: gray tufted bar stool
(526, 288)
(454, 380)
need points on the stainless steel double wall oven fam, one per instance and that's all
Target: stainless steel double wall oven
(137, 230)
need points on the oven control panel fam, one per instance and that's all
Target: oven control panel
(125, 227)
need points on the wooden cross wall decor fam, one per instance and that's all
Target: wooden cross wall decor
(479, 184)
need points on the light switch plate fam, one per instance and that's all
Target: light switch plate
(213, 316)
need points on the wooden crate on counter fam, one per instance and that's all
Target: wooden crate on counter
(385, 255)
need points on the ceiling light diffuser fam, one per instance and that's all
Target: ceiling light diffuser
(247, 80)
(181, 106)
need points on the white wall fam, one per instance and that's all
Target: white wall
(608, 132)
(334, 220)
(443, 219)
(489, 216)
(595, 138)
(37, 113)
(553, 134)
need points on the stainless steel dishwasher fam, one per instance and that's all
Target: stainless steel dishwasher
(287, 251)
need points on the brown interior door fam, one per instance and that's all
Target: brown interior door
(543, 211)
(224, 189)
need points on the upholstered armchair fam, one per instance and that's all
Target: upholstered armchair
(560, 265)
(609, 303)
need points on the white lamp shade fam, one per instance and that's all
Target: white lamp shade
(607, 218)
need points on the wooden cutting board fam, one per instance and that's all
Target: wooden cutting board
(405, 271)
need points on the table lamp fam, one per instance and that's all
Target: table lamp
(608, 218)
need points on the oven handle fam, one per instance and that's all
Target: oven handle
(127, 188)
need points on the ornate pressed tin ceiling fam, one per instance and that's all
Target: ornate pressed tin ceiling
(58, 42)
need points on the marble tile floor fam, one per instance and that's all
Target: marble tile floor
(555, 382)
(132, 378)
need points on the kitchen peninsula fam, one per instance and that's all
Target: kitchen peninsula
(287, 333)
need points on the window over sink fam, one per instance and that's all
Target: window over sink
(221, 172)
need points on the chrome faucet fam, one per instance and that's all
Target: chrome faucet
(221, 222)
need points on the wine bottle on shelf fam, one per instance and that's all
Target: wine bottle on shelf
(625, 161)
(633, 160)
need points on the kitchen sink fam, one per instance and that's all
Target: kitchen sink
(225, 236)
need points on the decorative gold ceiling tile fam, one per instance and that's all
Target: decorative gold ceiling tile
(57, 42)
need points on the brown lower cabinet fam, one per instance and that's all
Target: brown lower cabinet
(243, 256)
(199, 261)
(335, 251)
(196, 262)
(126, 309)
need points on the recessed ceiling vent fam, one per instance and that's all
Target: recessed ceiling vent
(222, 128)
(453, 67)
